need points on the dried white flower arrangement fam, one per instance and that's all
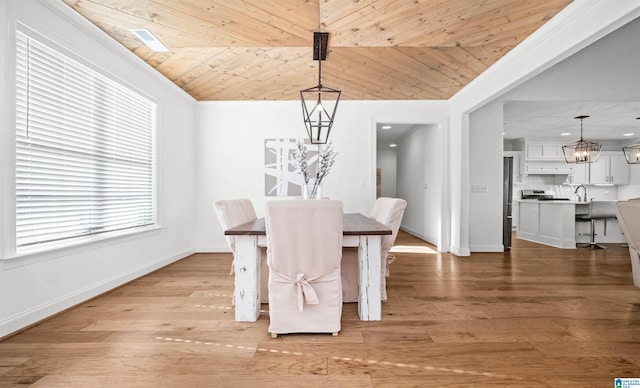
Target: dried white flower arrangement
(326, 159)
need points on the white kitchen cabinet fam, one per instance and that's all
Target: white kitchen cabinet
(549, 168)
(543, 151)
(611, 168)
(546, 157)
(634, 174)
(554, 223)
(580, 175)
(619, 170)
(547, 222)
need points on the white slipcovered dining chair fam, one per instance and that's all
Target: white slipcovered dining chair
(304, 248)
(389, 212)
(629, 220)
(235, 212)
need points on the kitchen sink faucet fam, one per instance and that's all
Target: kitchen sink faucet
(584, 190)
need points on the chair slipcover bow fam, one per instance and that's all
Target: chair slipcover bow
(306, 293)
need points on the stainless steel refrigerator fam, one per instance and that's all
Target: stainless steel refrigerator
(507, 198)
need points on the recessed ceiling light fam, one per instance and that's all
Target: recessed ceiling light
(147, 38)
(386, 127)
(393, 145)
(629, 134)
(565, 134)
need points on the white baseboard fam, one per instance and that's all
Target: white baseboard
(36, 314)
(211, 248)
(412, 232)
(458, 251)
(486, 248)
(430, 239)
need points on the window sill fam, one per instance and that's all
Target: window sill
(53, 250)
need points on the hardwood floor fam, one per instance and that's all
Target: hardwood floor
(537, 316)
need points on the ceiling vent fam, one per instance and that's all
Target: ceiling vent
(148, 39)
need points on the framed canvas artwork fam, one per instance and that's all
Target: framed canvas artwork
(280, 175)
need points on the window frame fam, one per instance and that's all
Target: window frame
(11, 250)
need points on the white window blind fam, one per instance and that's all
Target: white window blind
(84, 150)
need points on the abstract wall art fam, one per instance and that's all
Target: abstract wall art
(280, 175)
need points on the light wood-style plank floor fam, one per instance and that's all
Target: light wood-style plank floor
(537, 316)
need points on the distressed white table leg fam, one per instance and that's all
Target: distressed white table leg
(247, 278)
(369, 265)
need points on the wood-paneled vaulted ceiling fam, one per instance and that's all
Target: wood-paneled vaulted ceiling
(378, 49)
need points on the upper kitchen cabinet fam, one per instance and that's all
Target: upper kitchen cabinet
(543, 151)
(545, 157)
(580, 174)
(549, 168)
(611, 168)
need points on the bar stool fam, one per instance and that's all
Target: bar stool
(592, 220)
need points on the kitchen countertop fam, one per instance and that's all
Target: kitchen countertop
(568, 202)
(551, 201)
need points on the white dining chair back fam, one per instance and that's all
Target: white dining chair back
(389, 212)
(629, 220)
(232, 213)
(235, 212)
(304, 249)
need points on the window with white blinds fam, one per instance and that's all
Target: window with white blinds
(84, 150)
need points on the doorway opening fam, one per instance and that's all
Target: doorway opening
(409, 164)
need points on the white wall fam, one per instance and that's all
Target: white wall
(36, 286)
(435, 204)
(606, 70)
(485, 198)
(420, 182)
(411, 178)
(226, 170)
(387, 163)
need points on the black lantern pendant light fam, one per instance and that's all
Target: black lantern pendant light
(581, 151)
(632, 152)
(319, 103)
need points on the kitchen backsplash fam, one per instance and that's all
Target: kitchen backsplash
(554, 184)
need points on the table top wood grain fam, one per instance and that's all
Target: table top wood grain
(353, 224)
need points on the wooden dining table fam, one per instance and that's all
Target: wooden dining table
(358, 231)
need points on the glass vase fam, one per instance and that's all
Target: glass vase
(307, 191)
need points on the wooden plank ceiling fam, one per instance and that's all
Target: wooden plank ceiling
(378, 49)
